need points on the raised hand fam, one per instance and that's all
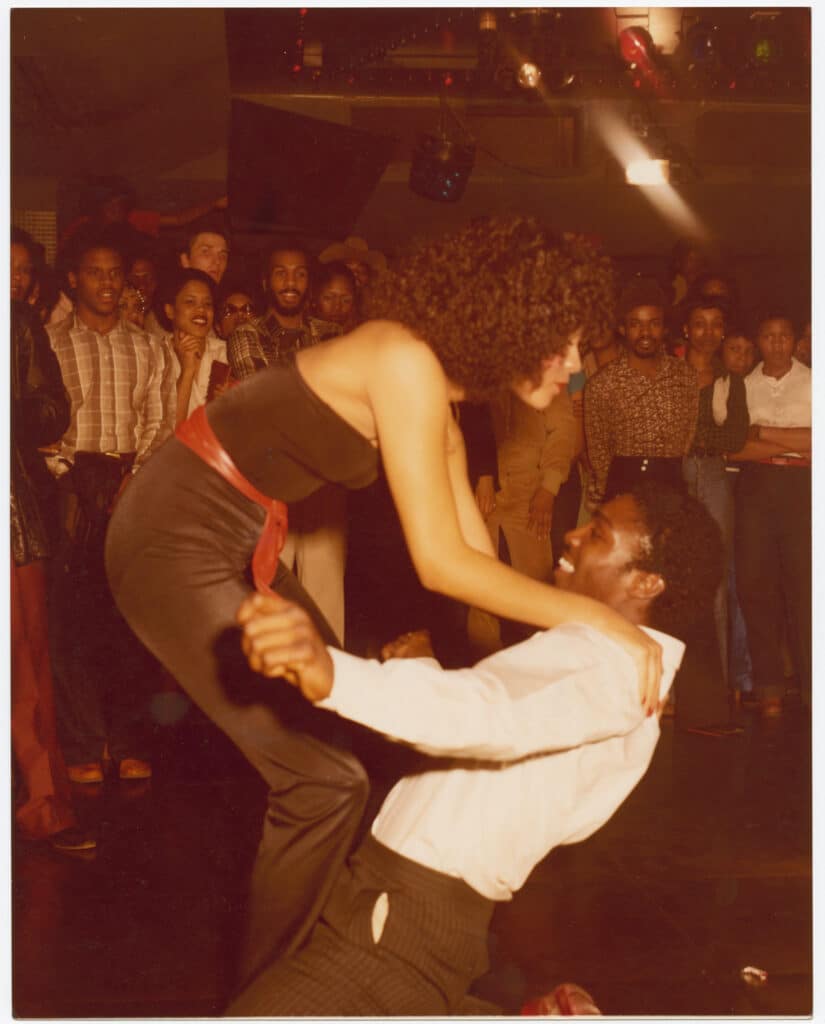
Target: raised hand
(189, 350)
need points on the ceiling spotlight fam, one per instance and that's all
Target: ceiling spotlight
(647, 172)
(528, 75)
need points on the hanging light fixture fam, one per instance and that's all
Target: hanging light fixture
(440, 166)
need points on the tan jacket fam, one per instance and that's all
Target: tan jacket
(535, 449)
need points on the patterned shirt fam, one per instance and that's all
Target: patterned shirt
(628, 413)
(263, 342)
(121, 388)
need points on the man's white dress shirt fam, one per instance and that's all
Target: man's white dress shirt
(551, 735)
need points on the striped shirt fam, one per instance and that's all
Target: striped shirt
(121, 387)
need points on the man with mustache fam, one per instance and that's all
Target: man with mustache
(537, 746)
(640, 410)
(284, 328)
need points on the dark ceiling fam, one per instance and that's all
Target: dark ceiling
(146, 93)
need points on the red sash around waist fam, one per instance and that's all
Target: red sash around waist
(197, 434)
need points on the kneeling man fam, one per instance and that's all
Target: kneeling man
(545, 739)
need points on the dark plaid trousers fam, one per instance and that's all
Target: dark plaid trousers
(395, 938)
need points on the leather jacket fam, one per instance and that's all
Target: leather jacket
(40, 413)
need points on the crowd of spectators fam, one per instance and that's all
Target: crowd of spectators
(118, 343)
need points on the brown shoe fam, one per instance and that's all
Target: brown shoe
(134, 768)
(90, 772)
(771, 707)
(70, 840)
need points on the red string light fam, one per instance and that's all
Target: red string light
(299, 43)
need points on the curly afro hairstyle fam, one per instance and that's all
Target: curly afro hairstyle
(495, 298)
(684, 546)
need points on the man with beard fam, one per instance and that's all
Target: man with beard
(284, 328)
(640, 410)
(316, 545)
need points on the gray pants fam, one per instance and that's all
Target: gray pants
(395, 938)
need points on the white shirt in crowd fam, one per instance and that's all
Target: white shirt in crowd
(780, 403)
(551, 735)
(121, 388)
(215, 352)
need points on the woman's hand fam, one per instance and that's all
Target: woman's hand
(540, 513)
(485, 496)
(646, 654)
(189, 350)
(280, 639)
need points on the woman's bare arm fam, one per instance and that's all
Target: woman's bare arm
(470, 520)
(409, 396)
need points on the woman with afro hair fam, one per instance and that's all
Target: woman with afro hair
(492, 306)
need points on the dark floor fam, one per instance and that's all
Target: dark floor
(705, 870)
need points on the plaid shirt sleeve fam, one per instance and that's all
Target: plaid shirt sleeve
(157, 417)
(244, 351)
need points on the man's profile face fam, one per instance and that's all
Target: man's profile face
(643, 330)
(288, 281)
(208, 252)
(598, 557)
(776, 343)
(98, 281)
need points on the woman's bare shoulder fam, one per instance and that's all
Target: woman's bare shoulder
(395, 348)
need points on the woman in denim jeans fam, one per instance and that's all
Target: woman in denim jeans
(722, 428)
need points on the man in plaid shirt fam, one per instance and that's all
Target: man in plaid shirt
(122, 397)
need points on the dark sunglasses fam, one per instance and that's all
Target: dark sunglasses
(230, 310)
